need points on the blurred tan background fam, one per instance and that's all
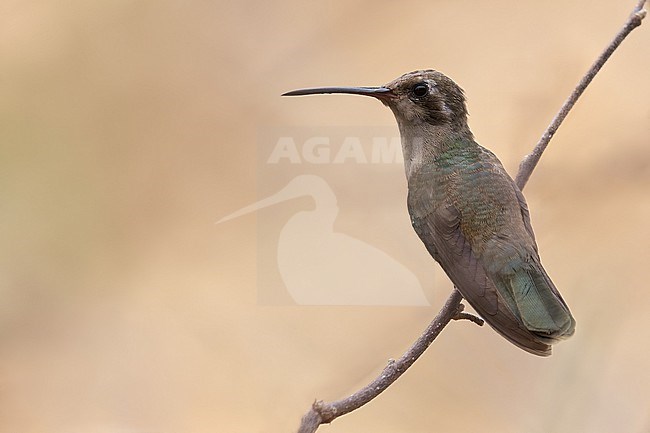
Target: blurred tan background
(129, 128)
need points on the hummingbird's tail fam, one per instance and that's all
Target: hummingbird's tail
(532, 297)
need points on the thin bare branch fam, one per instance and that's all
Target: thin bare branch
(530, 161)
(324, 413)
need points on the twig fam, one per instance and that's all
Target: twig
(471, 317)
(324, 413)
(530, 161)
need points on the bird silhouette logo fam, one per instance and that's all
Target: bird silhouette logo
(320, 266)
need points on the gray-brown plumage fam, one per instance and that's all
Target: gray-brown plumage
(469, 213)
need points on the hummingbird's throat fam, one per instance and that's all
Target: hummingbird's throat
(422, 142)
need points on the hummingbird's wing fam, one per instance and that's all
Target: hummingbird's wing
(440, 231)
(539, 277)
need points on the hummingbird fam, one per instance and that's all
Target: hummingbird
(468, 212)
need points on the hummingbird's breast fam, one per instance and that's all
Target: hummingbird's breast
(472, 179)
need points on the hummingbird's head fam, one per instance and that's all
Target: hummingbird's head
(428, 97)
(418, 98)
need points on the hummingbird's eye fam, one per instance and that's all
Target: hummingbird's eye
(420, 90)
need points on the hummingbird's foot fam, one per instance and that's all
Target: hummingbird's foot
(462, 315)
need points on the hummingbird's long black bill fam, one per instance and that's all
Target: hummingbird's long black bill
(367, 91)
